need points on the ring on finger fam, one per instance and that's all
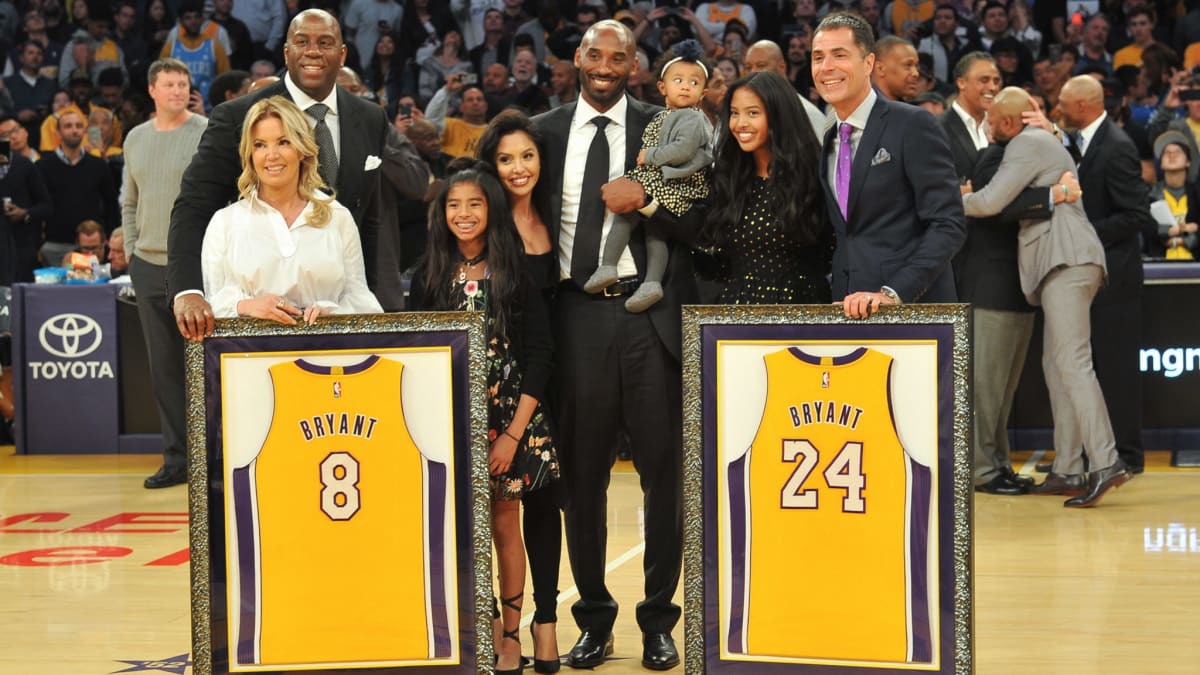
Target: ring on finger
(281, 303)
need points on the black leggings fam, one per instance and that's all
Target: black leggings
(543, 546)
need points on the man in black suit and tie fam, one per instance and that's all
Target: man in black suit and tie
(348, 130)
(615, 369)
(1114, 198)
(889, 179)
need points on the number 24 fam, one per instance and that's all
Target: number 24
(844, 472)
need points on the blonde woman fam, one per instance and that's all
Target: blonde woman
(285, 251)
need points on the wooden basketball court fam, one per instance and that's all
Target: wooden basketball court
(94, 574)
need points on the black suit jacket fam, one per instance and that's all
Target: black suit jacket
(905, 209)
(961, 144)
(210, 181)
(679, 283)
(1116, 202)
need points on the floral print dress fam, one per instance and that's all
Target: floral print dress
(535, 463)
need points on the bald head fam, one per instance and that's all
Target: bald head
(316, 15)
(1081, 101)
(765, 56)
(1004, 115)
(608, 26)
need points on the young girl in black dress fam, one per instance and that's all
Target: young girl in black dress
(474, 262)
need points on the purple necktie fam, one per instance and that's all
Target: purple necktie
(843, 168)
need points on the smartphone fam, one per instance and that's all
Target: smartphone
(1189, 95)
(406, 109)
(470, 78)
(5, 149)
(94, 138)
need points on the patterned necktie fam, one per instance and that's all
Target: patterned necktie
(844, 159)
(585, 252)
(326, 153)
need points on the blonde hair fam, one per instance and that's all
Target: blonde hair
(298, 133)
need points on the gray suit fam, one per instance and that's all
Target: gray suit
(1061, 265)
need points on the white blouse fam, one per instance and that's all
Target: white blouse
(250, 251)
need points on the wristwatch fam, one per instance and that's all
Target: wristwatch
(890, 294)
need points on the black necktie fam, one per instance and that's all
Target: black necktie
(326, 153)
(585, 252)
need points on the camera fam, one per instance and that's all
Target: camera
(406, 109)
(470, 78)
(1189, 95)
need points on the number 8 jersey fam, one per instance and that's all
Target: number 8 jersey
(828, 519)
(337, 517)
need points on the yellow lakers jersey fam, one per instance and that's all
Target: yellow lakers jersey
(821, 530)
(337, 516)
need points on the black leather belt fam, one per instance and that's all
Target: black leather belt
(621, 287)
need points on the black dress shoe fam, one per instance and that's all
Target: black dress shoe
(591, 649)
(1024, 481)
(166, 477)
(1060, 484)
(1001, 484)
(1043, 467)
(1099, 482)
(658, 651)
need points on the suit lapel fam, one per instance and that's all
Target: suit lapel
(353, 155)
(960, 136)
(556, 128)
(1093, 147)
(868, 144)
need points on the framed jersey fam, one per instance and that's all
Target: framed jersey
(827, 491)
(339, 497)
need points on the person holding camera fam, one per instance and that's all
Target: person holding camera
(461, 134)
(1180, 109)
(26, 204)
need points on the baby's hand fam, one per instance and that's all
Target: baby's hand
(642, 157)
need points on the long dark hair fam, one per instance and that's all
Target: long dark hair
(797, 199)
(504, 249)
(512, 121)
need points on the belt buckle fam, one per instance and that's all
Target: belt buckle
(613, 290)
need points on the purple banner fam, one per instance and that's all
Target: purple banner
(65, 368)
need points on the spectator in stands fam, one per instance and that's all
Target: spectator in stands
(118, 262)
(228, 86)
(895, 73)
(1140, 22)
(241, 45)
(496, 80)
(731, 68)
(1022, 29)
(407, 112)
(368, 20)
(27, 205)
(549, 20)
(423, 28)
(99, 141)
(1013, 60)
(385, 72)
(79, 99)
(80, 186)
(904, 18)
(1177, 240)
(945, 45)
(932, 101)
(734, 40)
(1048, 79)
(111, 85)
(412, 212)
(156, 25)
(18, 138)
(799, 68)
(495, 47)
(765, 55)
(35, 31)
(262, 68)
(1167, 117)
(526, 91)
(460, 135)
(994, 25)
(564, 80)
(100, 50)
(1093, 49)
(129, 39)
(714, 15)
(266, 20)
(564, 41)
(872, 11)
(204, 56)
(448, 58)
(57, 27)
(31, 91)
(90, 240)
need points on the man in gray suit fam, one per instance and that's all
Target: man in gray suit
(1062, 265)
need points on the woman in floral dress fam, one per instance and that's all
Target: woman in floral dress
(474, 262)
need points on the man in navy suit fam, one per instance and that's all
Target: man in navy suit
(890, 185)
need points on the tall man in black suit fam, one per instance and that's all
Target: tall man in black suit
(889, 179)
(616, 369)
(357, 129)
(1114, 198)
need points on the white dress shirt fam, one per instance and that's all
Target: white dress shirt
(578, 142)
(250, 251)
(976, 130)
(303, 101)
(1086, 134)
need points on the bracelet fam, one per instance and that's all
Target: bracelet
(511, 436)
(1066, 192)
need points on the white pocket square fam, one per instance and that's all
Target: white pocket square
(373, 162)
(881, 157)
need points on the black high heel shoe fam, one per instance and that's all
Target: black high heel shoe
(545, 666)
(514, 635)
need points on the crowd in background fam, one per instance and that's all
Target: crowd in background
(443, 69)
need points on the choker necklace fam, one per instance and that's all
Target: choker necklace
(465, 263)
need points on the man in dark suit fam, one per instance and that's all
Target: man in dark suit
(358, 129)
(1114, 198)
(889, 181)
(615, 369)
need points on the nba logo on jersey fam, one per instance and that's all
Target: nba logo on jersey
(337, 389)
(825, 380)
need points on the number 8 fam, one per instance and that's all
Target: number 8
(345, 484)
